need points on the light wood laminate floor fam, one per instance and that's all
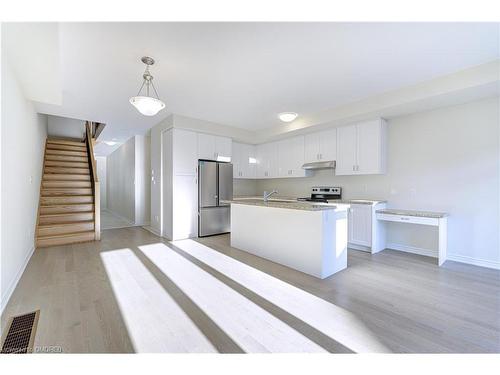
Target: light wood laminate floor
(135, 292)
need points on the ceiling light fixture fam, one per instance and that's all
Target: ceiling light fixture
(110, 143)
(147, 105)
(287, 116)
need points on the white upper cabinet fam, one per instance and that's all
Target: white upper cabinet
(321, 146)
(267, 160)
(212, 147)
(244, 161)
(184, 152)
(346, 150)
(291, 157)
(361, 148)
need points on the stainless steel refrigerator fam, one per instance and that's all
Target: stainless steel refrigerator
(215, 184)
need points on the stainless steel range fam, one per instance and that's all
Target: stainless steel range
(323, 194)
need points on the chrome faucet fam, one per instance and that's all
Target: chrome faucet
(267, 195)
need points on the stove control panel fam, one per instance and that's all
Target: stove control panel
(326, 190)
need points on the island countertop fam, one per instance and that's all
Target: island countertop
(282, 203)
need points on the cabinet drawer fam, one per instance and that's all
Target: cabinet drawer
(408, 219)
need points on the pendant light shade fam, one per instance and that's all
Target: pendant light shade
(146, 104)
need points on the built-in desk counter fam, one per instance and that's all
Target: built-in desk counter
(438, 219)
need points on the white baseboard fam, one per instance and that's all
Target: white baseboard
(359, 247)
(452, 257)
(413, 249)
(152, 230)
(8, 293)
(474, 261)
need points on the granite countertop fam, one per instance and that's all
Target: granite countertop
(277, 203)
(430, 214)
(357, 201)
(275, 198)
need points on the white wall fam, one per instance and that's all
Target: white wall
(142, 180)
(120, 180)
(65, 127)
(101, 175)
(23, 141)
(128, 180)
(441, 160)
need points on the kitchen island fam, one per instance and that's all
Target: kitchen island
(308, 237)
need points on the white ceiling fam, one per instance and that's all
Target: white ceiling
(244, 74)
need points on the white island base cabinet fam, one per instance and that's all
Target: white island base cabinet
(313, 242)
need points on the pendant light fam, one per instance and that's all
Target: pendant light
(147, 105)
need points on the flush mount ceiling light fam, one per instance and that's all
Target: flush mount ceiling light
(147, 105)
(287, 116)
(110, 143)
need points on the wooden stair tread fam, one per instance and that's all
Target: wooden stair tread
(66, 184)
(65, 142)
(65, 239)
(65, 224)
(55, 146)
(63, 170)
(66, 164)
(67, 158)
(55, 152)
(58, 191)
(65, 177)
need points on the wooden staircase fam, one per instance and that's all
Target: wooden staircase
(67, 210)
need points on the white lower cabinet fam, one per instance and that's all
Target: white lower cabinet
(360, 224)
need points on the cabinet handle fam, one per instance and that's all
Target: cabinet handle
(353, 167)
(320, 156)
(317, 156)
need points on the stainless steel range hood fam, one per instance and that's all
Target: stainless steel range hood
(329, 164)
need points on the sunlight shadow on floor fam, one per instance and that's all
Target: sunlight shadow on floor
(247, 324)
(333, 321)
(154, 320)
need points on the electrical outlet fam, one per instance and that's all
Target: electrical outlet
(31, 180)
(413, 192)
(157, 218)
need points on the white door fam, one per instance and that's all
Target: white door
(223, 148)
(346, 150)
(206, 147)
(311, 148)
(360, 224)
(369, 136)
(184, 152)
(328, 145)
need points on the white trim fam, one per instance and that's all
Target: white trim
(12, 286)
(358, 247)
(413, 250)
(152, 230)
(474, 261)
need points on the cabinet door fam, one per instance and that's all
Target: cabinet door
(206, 147)
(184, 144)
(360, 224)
(312, 147)
(262, 160)
(328, 145)
(223, 148)
(185, 207)
(238, 159)
(247, 160)
(272, 154)
(284, 155)
(369, 148)
(346, 150)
